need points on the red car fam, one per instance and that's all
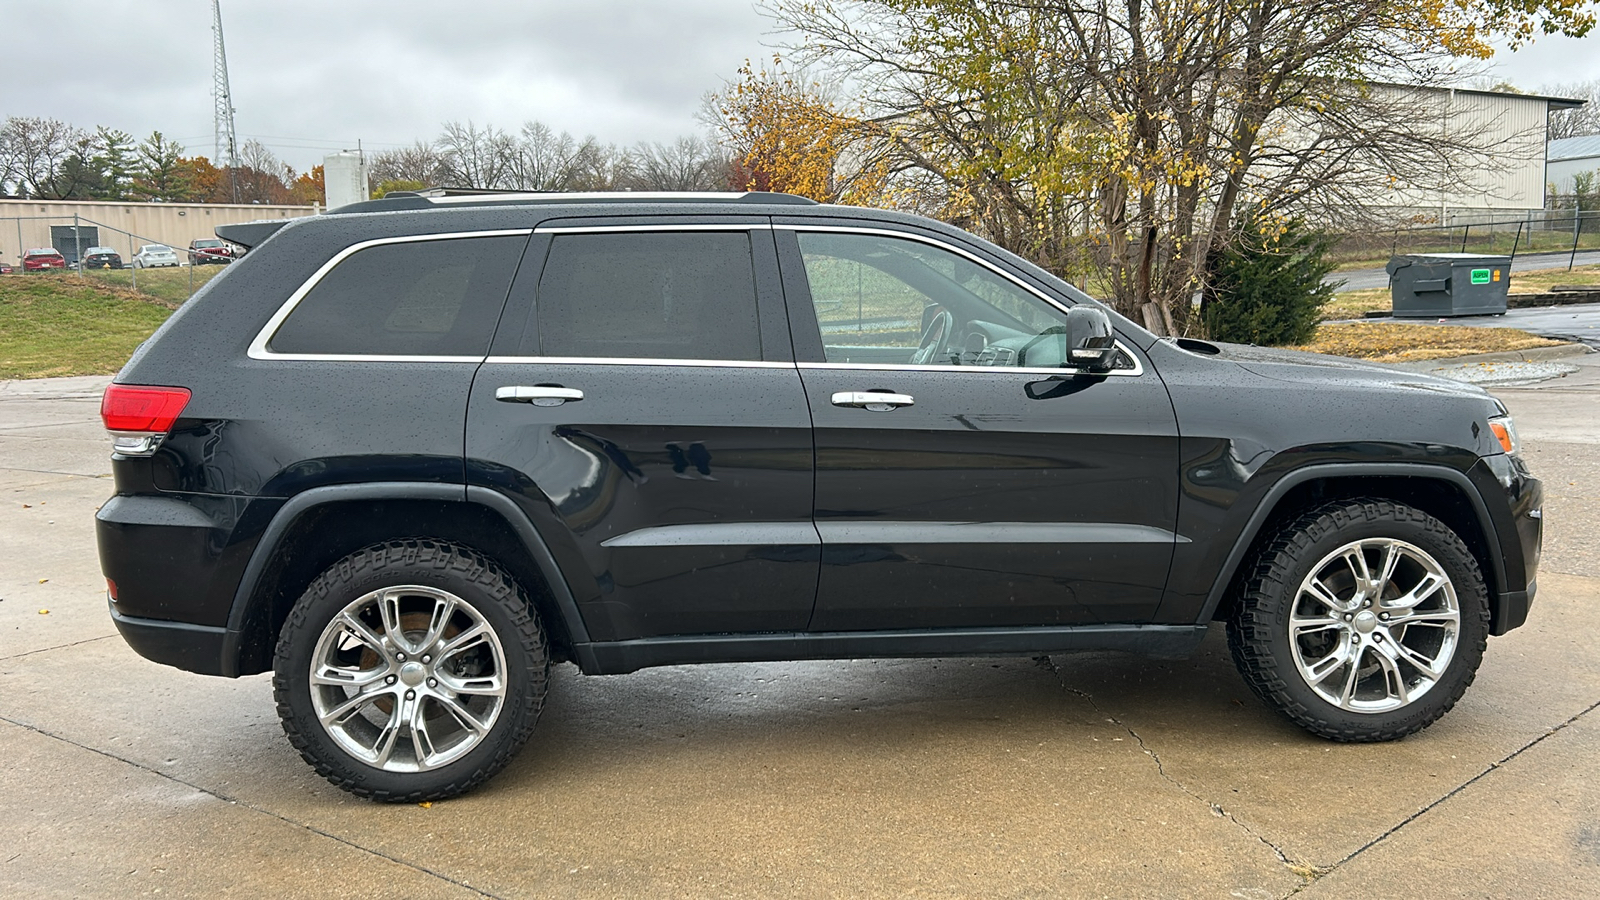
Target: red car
(209, 251)
(43, 258)
(5, 268)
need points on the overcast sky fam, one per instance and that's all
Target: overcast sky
(311, 77)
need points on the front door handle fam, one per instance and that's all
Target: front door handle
(873, 400)
(537, 394)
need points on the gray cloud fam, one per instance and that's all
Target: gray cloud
(309, 76)
(312, 76)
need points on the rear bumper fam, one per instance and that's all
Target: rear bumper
(193, 648)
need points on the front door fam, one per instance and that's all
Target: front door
(964, 479)
(645, 410)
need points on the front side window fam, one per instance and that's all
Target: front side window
(649, 295)
(415, 298)
(896, 301)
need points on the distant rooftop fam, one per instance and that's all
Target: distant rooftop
(1574, 148)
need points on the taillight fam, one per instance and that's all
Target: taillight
(139, 417)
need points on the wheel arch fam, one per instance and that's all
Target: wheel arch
(316, 528)
(1444, 493)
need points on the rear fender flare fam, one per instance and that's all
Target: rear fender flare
(267, 547)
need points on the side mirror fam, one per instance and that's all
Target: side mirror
(1091, 344)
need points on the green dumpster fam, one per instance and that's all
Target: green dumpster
(1431, 285)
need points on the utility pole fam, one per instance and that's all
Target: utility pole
(227, 150)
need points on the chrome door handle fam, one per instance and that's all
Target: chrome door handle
(872, 400)
(538, 394)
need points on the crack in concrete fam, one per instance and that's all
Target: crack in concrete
(102, 637)
(1304, 870)
(235, 801)
(1492, 767)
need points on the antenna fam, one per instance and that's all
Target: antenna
(227, 150)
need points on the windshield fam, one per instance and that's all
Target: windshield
(207, 245)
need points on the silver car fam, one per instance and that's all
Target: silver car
(154, 256)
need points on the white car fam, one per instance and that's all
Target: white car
(154, 256)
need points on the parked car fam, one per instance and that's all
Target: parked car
(5, 268)
(461, 441)
(101, 258)
(209, 251)
(43, 259)
(154, 256)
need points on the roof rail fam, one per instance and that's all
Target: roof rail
(435, 198)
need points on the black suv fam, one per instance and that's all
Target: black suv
(408, 454)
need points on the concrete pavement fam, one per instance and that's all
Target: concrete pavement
(1080, 776)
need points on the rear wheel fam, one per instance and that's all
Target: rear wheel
(1364, 620)
(411, 670)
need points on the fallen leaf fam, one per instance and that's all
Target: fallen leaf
(44, 612)
(43, 580)
(426, 804)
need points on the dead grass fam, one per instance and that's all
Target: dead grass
(1396, 342)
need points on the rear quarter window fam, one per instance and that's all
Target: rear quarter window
(415, 298)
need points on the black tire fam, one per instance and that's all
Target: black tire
(1259, 630)
(478, 597)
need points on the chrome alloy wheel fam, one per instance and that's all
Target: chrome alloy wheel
(408, 678)
(1374, 625)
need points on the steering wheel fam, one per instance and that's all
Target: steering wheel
(935, 342)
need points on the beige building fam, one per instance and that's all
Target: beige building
(124, 227)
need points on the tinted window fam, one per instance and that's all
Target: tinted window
(419, 298)
(893, 301)
(668, 295)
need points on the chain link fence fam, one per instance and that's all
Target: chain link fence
(73, 236)
(1547, 231)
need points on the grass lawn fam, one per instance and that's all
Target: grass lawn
(170, 285)
(61, 324)
(1387, 341)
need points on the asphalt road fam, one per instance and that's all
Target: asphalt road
(1579, 322)
(1369, 279)
(1089, 775)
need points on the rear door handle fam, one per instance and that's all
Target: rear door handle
(537, 394)
(873, 400)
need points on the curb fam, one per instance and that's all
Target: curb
(1534, 354)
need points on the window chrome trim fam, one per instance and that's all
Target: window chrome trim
(636, 361)
(694, 226)
(258, 346)
(1138, 362)
(1138, 368)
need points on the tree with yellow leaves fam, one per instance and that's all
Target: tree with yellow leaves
(787, 136)
(1132, 135)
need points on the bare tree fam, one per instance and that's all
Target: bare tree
(1128, 135)
(687, 164)
(39, 149)
(419, 163)
(1580, 122)
(474, 157)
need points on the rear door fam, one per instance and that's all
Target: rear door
(964, 479)
(642, 405)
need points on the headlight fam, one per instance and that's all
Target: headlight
(1505, 431)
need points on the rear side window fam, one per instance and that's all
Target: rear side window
(649, 295)
(416, 298)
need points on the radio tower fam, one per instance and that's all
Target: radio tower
(227, 150)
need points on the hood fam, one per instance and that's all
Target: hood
(1318, 368)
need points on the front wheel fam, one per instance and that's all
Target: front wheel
(1364, 620)
(411, 670)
